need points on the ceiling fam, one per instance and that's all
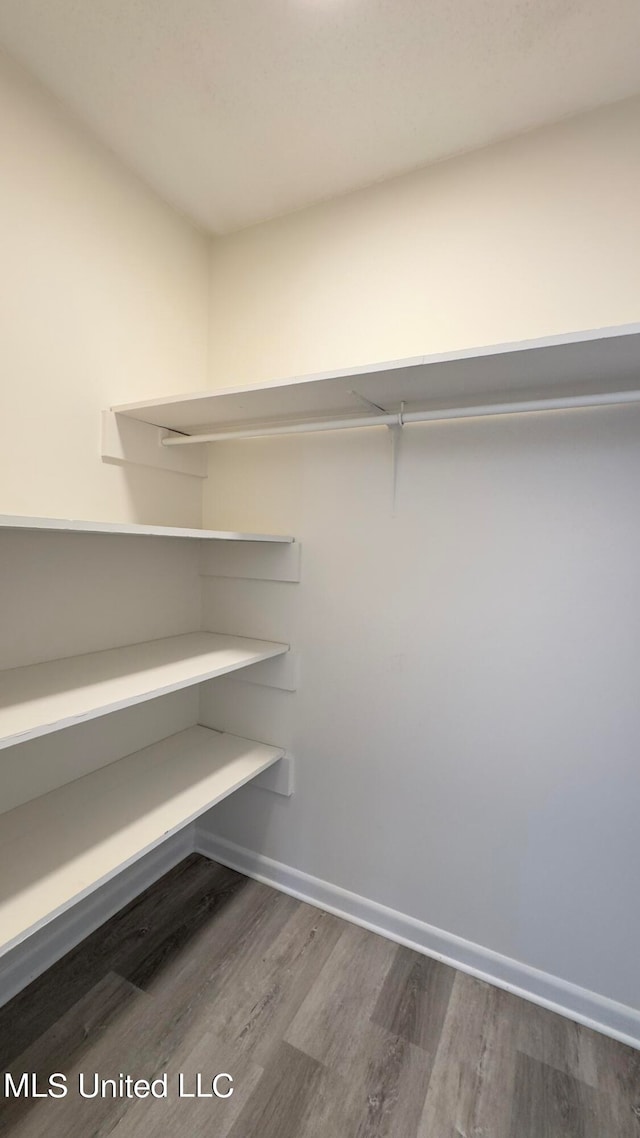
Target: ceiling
(240, 110)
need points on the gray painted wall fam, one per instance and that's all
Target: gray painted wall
(466, 732)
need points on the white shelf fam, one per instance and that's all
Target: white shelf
(58, 848)
(40, 698)
(72, 525)
(598, 361)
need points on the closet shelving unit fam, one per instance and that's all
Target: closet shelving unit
(599, 367)
(171, 782)
(57, 848)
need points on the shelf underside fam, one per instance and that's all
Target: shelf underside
(58, 848)
(73, 525)
(40, 698)
(602, 361)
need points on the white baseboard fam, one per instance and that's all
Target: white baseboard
(31, 958)
(598, 1012)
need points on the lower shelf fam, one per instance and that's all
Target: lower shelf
(58, 848)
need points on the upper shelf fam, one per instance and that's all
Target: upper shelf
(72, 525)
(585, 363)
(37, 699)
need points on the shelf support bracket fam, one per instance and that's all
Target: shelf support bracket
(369, 403)
(395, 434)
(127, 440)
(279, 778)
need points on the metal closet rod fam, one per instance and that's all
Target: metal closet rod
(401, 418)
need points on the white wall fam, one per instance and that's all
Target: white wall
(536, 236)
(466, 730)
(103, 299)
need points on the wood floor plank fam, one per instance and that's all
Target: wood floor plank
(618, 1070)
(195, 1117)
(381, 1102)
(383, 1077)
(559, 1042)
(220, 952)
(107, 1053)
(414, 999)
(385, 1086)
(547, 1103)
(142, 963)
(336, 1014)
(127, 938)
(257, 1008)
(471, 1086)
(589, 1057)
(292, 1100)
(57, 1048)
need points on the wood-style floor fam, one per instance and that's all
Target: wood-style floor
(328, 1031)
